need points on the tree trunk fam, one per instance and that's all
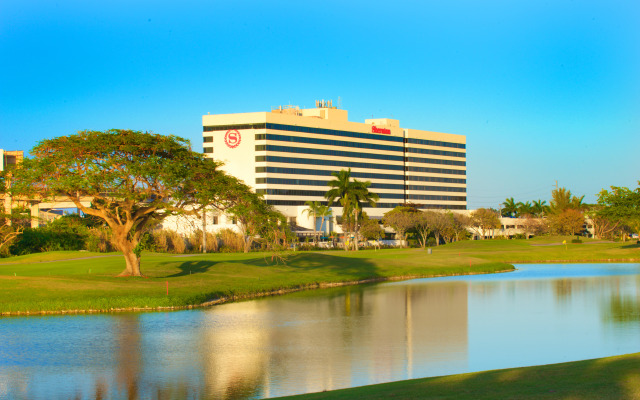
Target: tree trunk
(321, 229)
(248, 241)
(204, 231)
(355, 232)
(133, 265)
(315, 232)
(132, 261)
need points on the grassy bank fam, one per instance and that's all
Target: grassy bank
(86, 281)
(76, 281)
(604, 378)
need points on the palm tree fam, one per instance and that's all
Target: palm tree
(524, 208)
(510, 208)
(361, 196)
(540, 207)
(313, 211)
(577, 203)
(324, 212)
(342, 190)
(351, 194)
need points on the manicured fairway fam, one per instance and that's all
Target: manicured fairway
(605, 378)
(59, 281)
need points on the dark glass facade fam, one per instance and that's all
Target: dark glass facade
(376, 156)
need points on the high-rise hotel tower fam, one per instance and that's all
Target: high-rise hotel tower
(288, 155)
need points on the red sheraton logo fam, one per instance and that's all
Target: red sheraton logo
(232, 138)
(375, 129)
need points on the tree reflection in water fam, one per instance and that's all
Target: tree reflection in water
(129, 360)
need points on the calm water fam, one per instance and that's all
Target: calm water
(328, 339)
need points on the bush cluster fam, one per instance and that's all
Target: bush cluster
(73, 232)
(70, 232)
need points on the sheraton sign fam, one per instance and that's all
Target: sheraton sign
(232, 138)
(375, 129)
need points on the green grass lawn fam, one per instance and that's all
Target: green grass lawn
(58, 281)
(606, 378)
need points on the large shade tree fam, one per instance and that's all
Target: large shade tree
(401, 219)
(132, 179)
(484, 221)
(256, 219)
(620, 205)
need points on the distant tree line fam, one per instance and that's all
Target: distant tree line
(615, 215)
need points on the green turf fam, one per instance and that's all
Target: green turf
(81, 281)
(606, 378)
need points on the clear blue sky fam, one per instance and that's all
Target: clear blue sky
(544, 91)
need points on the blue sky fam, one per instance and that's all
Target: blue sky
(544, 91)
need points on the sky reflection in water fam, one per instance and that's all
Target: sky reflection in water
(323, 340)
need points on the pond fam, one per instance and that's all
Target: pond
(328, 339)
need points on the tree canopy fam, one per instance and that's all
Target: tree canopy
(484, 220)
(401, 219)
(620, 205)
(133, 180)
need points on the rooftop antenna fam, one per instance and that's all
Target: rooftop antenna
(339, 102)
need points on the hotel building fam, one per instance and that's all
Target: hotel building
(289, 154)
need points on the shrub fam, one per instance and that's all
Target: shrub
(194, 242)
(576, 241)
(69, 232)
(178, 244)
(99, 240)
(231, 241)
(160, 241)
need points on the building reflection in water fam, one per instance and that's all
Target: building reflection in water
(315, 341)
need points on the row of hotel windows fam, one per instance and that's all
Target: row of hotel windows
(358, 135)
(349, 154)
(436, 170)
(349, 164)
(364, 175)
(322, 152)
(209, 150)
(378, 205)
(327, 142)
(305, 182)
(361, 145)
(318, 193)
